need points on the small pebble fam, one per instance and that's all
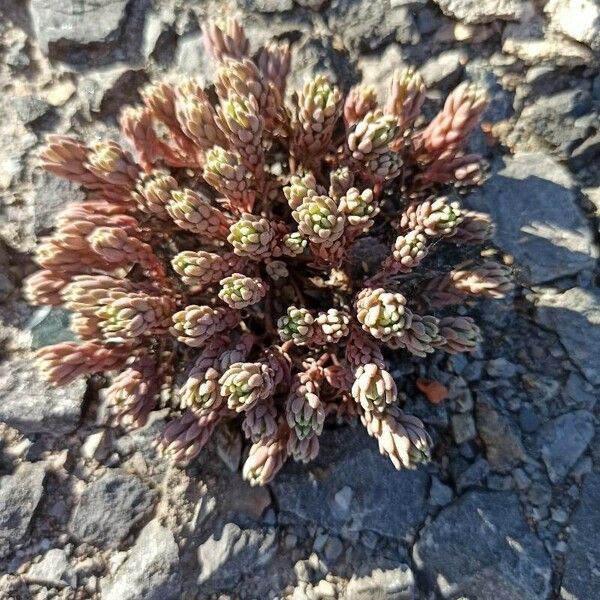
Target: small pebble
(333, 548)
(343, 498)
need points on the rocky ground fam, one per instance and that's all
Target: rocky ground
(510, 506)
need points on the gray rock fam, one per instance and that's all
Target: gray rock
(268, 6)
(549, 239)
(579, 393)
(16, 142)
(51, 195)
(314, 4)
(109, 507)
(49, 325)
(503, 447)
(151, 570)
(333, 548)
(530, 42)
(391, 584)
(317, 56)
(377, 70)
(231, 553)
(67, 24)
(191, 58)
(19, 497)
(474, 475)
(485, 11)
(407, 31)
(31, 405)
(528, 419)
(501, 368)
(480, 547)
(563, 440)
(53, 570)
(581, 577)
(575, 315)
(369, 25)
(463, 427)
(577, 19)
(30, 108)
(560, 122)
(444, 69)
(440, 494)
(357, 490)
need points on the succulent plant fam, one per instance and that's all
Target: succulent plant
(218, 266)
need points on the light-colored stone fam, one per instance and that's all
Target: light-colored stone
(151, 570)
(109, 507)
(531, 199)
(563, 440)
(577, 19)
(31, 405)
(533, 45)
(481, 547)
(485, 11)
(19, 497)
(76, 22)
(232, 552)
(575, 316)
(581, 578)
(391, 584)
(53, 570)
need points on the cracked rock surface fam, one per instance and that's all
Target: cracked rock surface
(509, 506)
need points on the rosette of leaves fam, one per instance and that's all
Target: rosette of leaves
(212, 267)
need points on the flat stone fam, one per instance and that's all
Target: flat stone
(463, 427)
(151, 570)
(231, 553)
(581, 577)
(480, 547)
(577, 19)
(473, 475)
(580, 393)
(503, 446)
(53, 570)
(109, 507)
(19, 497)
(561, 122)
(575, 316)
(391, 584)
(31, 405)
(440, 494)
(61, 24)
(52, 194)
(389, 502)
(563, 440)
(484, 11)
(548, 239)
(530, 42)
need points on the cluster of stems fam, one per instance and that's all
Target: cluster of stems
(213, 260)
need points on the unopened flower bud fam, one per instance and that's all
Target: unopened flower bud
(239, 291)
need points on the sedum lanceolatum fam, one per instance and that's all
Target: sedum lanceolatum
(220, 263)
